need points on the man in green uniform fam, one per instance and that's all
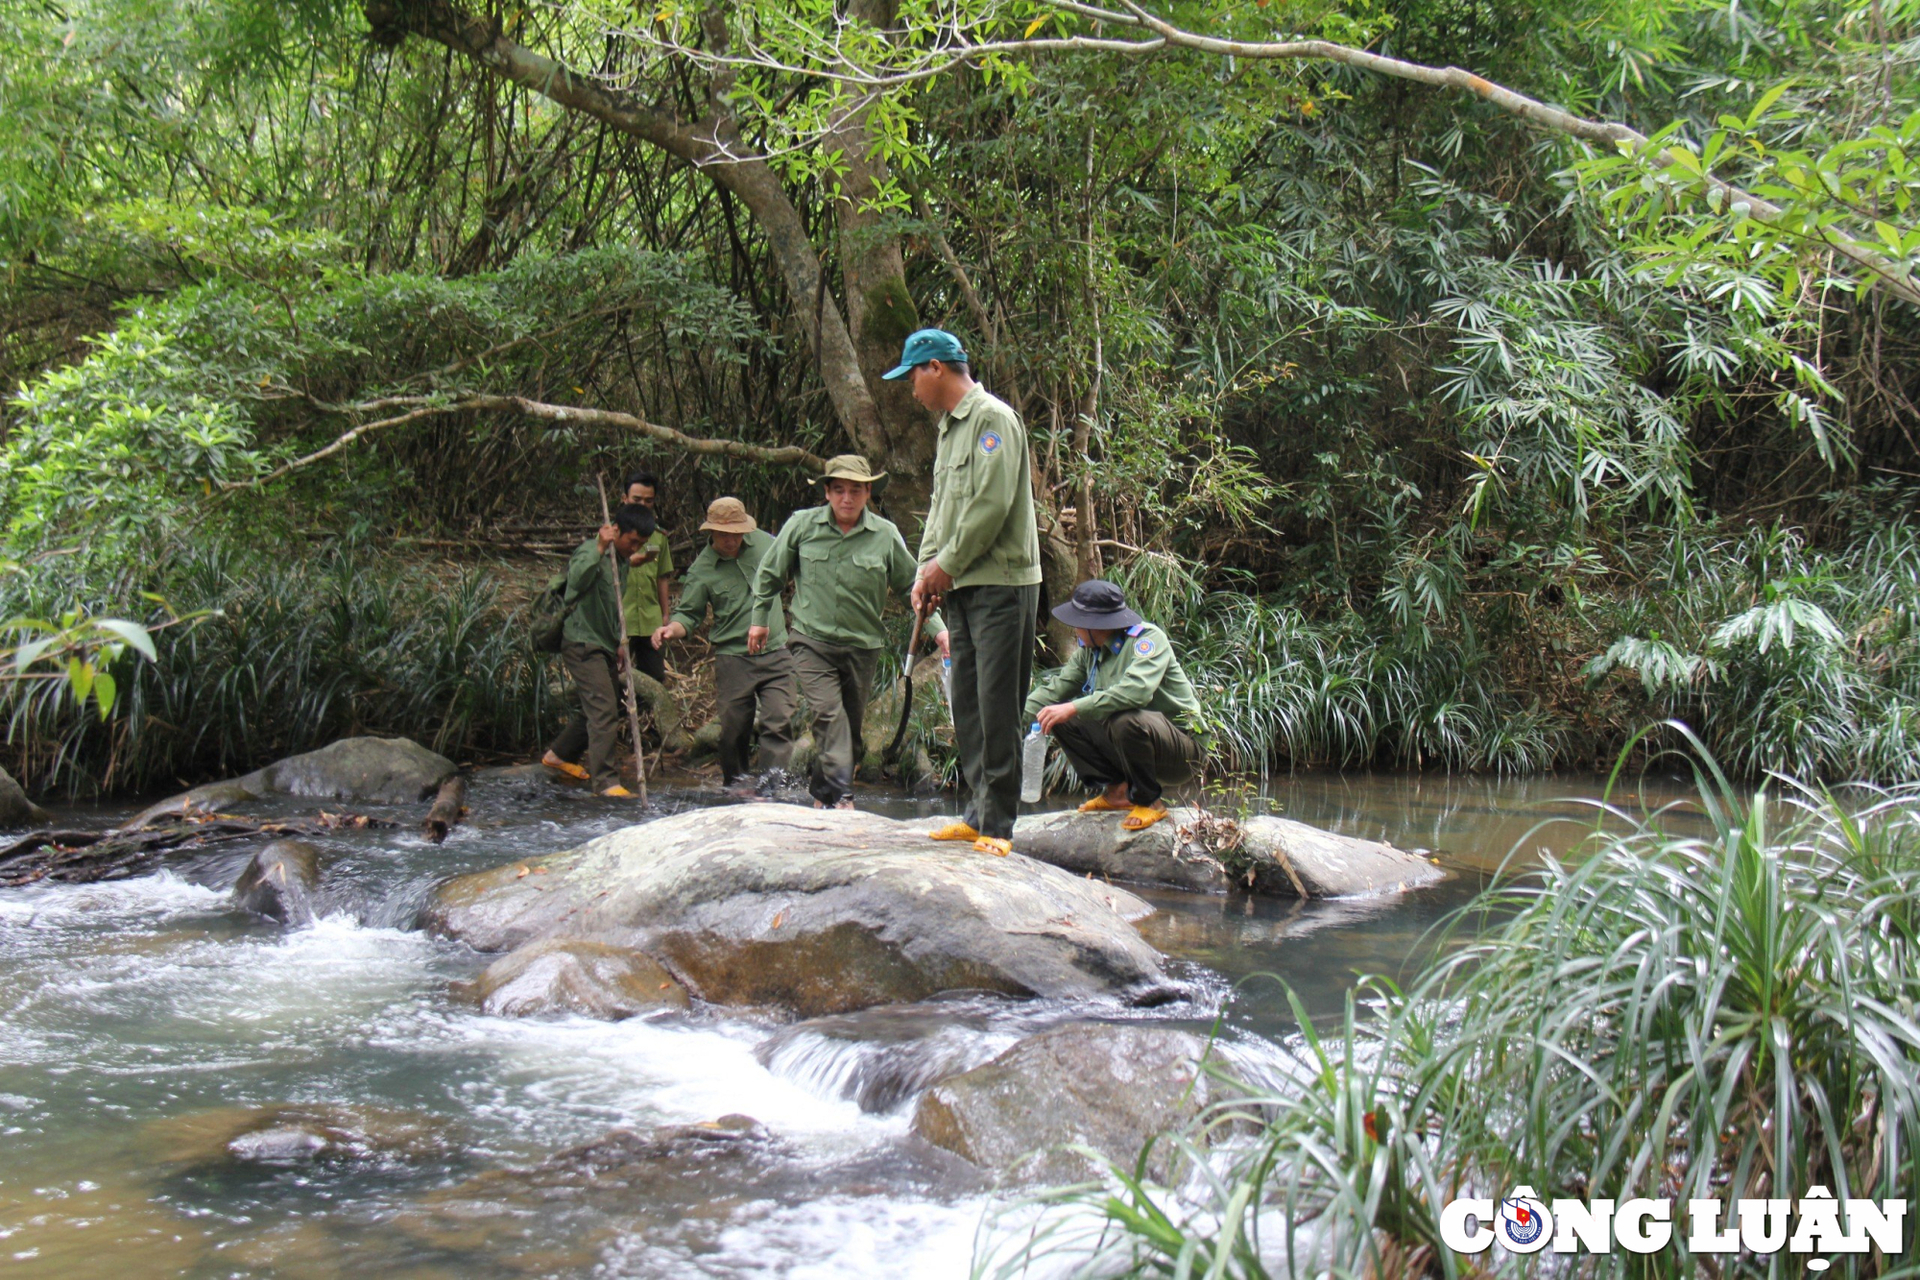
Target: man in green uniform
(589, 648)
(1122, 708)
(844, 561)
(721, 579)
(647, 603)
(980, 558)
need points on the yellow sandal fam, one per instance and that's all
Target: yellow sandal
(954, 831)
(1099, 804)
(1140, 817)
(994, 845)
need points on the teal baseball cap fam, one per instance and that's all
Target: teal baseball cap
(924, 345)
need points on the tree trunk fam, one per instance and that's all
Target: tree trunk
(900, 436)
(880, 310)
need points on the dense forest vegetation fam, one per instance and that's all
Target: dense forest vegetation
(1441, 431)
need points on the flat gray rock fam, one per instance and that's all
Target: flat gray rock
(816, 912)
(362, 770)
(1190, 849)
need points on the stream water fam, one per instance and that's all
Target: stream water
(143, 1023)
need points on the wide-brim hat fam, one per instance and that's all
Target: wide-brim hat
(851, 466)
(923, 345)
(1097, 605)
(728, 515)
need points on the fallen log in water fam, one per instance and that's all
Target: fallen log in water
(447, 808)
(83, 857)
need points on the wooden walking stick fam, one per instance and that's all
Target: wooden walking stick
(626, 658)
(892, 756)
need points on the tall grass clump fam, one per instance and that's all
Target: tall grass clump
(1715, 1017)
(295, 651)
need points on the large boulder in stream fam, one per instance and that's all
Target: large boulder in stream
(567, 975)
(815, 912)
(1191, 849)
(1108, 1087)
(280, 882)
(362, 770)
(15, 809)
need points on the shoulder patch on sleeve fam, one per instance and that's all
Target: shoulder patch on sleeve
(990, 442)
(1143, 646)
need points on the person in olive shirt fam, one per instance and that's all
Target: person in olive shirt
(1122, 708)
(589, 648)
(647, 604)
(980, 558)
(721, 579)
(844, 561)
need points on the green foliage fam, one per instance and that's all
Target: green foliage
(79, 650)
(292, 653)
(1710, 1017)
(206, 388)
(1782, 656)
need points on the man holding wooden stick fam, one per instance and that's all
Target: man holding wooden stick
(591, 649)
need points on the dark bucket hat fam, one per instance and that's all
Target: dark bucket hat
(1097, 605)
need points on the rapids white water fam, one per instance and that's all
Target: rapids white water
(142, 1020)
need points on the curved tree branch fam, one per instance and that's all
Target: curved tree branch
(571, 415)
(1605, 133)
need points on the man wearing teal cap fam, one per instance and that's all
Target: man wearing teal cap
(980, 561)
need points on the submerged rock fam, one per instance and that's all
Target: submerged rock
(1193, 850)
(816, 912)
(568, 975)
(15, 809)
(883, 1056)
(363, 770)
(294, 1133)
(1109, 1087)
(280, 882)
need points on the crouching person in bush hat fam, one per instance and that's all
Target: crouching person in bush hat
(844, 561)
(589, 645)
(720, 580)
(1122, 708)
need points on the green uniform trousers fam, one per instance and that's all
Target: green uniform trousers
(991, 632)
(837, 681)
(1142, 748)
(595, 727)
(742, 684)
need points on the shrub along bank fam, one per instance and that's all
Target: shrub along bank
(1716, 1018)
(1779, 654)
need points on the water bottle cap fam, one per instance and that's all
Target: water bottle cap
(1035, 728)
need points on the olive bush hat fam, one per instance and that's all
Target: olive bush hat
(1097, 605)
(924, 345)
(728, 515)
(851, 466)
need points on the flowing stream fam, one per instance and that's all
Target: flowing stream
(143, 1023)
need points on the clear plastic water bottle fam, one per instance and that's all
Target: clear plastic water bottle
(1033, 764)
(946, 678)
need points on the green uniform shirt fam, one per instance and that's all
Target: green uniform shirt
(981, 527)
(726, 586)
(595, 619)
(1135, 670)
(841, 580)
(643, 586)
